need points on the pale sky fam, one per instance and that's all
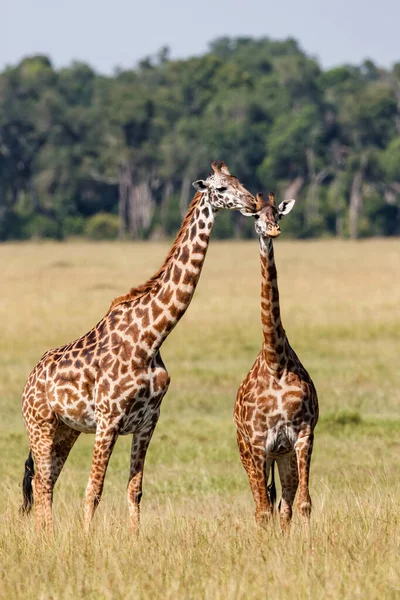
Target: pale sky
(111, 33)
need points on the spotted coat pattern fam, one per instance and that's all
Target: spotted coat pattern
(276, 408)
(112, 380)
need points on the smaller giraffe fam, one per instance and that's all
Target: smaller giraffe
(276, 407)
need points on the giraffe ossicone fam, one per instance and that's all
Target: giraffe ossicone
(276, 408)
(112, 380)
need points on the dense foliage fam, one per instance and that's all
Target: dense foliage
(81, 153)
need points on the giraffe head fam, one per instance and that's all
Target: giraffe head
(269, 215)
(226, 191)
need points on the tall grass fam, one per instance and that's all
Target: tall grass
(340, 307)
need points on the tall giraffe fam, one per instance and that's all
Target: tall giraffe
(276, 407)
(111, 381)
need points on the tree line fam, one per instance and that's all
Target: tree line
(114, 156)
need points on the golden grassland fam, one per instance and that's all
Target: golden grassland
(340, 305)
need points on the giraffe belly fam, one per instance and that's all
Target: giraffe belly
(86, 425)
(76, 411)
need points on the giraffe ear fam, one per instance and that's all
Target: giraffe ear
(285, 207)
(200, 185)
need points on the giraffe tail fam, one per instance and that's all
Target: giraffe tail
(271, 487)
(27, 486)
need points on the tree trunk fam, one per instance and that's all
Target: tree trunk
(355, 204)
(141, 208)
(125, 187)
(184, 199)
(168, 191)
(293, 188)
(312, 208)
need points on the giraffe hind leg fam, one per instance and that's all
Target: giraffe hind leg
(50, 447)
(27, 491)
(288, 474)
(257, 467)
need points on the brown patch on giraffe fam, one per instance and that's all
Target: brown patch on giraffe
(87, 356)
(259, 420)
(66, 362)
(116, 340)
(165, 295)
(104, 387)
(133, 332)
(182, 296)
(161, 381)
(276, 313)
(176, 274)
(91, 338)
(193, 232)
(275, 385)
(125, 351)
(114, 370)
(106, 362)
(149, 337)
(271, 402)
(141, 354)
(121, 387)
(156, 310)
(77, 411)
(163, 325)
(190, 278)
(185, 254)
(197, 263)
(273, 420)
(174, 311)
(125, 321)
(198, 248)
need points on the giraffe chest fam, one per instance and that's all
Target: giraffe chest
(271, 412)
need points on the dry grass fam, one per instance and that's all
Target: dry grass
(340, 304)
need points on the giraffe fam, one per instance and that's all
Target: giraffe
(112, 380)
(276, 407)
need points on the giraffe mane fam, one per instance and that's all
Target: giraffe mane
(140, 290)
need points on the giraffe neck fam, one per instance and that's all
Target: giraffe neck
(163, 301)
(275, 345)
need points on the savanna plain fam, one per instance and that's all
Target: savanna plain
(340, 304)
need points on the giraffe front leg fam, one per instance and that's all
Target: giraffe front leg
(140, 444)
(304, 446)
(106, 436)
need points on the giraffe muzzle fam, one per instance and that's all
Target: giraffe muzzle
(274, 232)
(250, 206)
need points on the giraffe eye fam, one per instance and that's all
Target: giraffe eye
(222, 189)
